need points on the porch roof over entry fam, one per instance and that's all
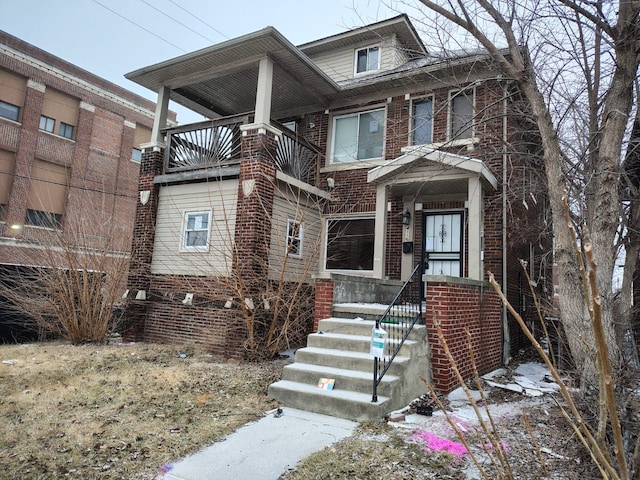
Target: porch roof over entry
(438, 165)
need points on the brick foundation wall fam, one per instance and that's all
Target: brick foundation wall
(458, 308)
(323, 301)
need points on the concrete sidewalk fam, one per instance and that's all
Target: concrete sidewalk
(265, 449)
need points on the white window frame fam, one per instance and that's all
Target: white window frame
(290, 238)
(185, 230)
(450, 133)
(357, 114)
(367, 70)
(412, 129)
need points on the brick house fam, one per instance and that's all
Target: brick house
(357, 157)
(69, 147)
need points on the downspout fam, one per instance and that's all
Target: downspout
(506, 340)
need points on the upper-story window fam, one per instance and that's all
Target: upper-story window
(367, 59)
(13, 90)
(461, 114)
(65, 130)
(47, 124)
(46, 203)
(10, 111)
(142, 135)
(358, 136)
(61, 109)
(422, 121)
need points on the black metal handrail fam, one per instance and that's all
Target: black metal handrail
(397, 321)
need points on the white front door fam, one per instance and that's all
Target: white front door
(443, 241)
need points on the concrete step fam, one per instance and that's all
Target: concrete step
(347, 360)
(345, 379)
(354, 343)
(354, 326)
(369, 311)
(338, 403)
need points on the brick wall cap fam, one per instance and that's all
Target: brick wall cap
(454, 280)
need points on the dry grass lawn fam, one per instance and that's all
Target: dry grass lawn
(118, 411)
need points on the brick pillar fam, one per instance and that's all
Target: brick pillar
(323, 301)
(255, 205)
(256, 184)
(25, 154)
(142, 246)
(124, 206)
(76, 203)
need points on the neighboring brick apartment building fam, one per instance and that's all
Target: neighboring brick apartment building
(362, 157)
(69, 148)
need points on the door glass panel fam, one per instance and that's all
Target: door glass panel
(443, 244)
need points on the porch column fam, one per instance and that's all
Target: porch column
(475, 210)
(408, 236)
(263, 93)
(380, 231)
(160, 118)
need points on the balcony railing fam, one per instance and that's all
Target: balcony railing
(296, 157)
(207, 144)
(217, 143)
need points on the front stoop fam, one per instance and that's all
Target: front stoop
(340, 350)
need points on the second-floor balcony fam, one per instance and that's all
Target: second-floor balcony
(215, 144)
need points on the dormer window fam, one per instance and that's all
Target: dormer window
(367, 59)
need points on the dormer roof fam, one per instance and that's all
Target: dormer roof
(399, 26)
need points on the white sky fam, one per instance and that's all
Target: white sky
(100, 35)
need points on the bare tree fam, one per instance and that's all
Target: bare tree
(68, 281)
(575, 62)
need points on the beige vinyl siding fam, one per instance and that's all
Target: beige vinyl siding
(142, 135)
(48, 191)
(60, 107)
(220, 199)
(339, 64)
(13, 88)
(287, 206)
(7, 167)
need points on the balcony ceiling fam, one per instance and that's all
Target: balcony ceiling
(222, 79)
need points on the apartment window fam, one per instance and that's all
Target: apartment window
(47, 194)
(10, 111)
(7, 169)
(65, 130)
(358, 136)
(350, 244)
(294, 238)
(136, 155)
(38, 218)
(422, 122)
(196, 231)
(367, 59)
(142, 135)
(461, 115)
(47, 124)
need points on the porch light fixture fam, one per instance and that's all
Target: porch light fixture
(406, 217)
(16, 226)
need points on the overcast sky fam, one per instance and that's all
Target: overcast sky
(112, 37)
